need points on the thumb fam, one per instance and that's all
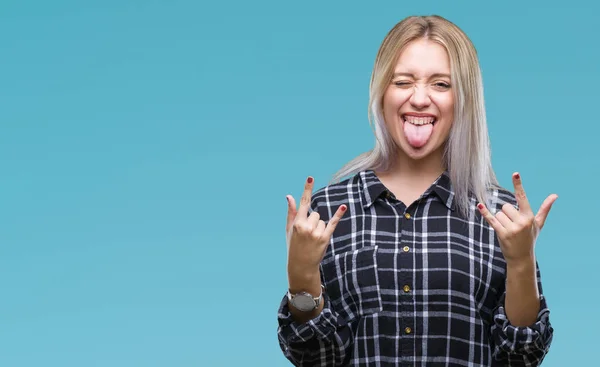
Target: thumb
(292, 211)
(542, 214)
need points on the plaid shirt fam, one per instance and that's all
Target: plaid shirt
(411, 286)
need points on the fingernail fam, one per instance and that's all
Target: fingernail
(517, 176)
(343, 208)
(309, 180)
(480, 206)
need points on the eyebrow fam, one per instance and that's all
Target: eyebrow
(436, 75)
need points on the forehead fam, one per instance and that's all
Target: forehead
(423, 57)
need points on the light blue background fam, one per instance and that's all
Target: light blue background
(146, 148)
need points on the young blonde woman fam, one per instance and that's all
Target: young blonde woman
(415, 256)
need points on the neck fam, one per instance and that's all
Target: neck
(409, 178)
(426, 169)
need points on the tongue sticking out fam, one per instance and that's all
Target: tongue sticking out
(417, 136)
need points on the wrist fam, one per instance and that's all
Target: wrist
(305, 282)
(525, 265)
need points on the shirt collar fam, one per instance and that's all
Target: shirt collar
(373, 188)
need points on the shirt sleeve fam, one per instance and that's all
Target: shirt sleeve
(322, 341)
(325, 340)
(522, 346)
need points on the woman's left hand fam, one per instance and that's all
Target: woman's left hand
(518, 229)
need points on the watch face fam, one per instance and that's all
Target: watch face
(303, 302)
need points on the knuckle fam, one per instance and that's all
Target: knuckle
(300, 227)
(324, 239)
(508, 235)
(528, 221)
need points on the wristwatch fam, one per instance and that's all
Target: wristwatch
(304, 301)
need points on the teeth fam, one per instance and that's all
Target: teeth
(419, 120)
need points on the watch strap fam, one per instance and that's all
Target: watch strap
(317, 300)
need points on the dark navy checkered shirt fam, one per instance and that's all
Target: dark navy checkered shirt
(411, 286)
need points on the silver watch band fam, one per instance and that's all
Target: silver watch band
(304, 301)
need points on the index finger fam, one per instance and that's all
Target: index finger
(520, 194)
(305, 199)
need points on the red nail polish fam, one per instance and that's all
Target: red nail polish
(310, 180)
(343, 208)
(480, 206)
(517, 176)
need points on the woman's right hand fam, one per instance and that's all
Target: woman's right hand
(307, 238)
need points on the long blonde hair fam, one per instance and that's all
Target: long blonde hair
(467, 154)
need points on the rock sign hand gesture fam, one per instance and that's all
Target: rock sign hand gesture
(518, 230)
(307, 238)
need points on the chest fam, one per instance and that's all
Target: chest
(426, 252)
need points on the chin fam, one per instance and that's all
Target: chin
(418, 153)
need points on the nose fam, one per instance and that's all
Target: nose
(420, 97)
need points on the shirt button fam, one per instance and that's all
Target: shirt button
(407, 215)
(406, 288)
(405, 248)
(407, 330)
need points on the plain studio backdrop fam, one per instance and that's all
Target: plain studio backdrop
(146, 148)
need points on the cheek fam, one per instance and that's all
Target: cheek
(445, 104)
(393, 99)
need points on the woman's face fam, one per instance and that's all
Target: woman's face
(418, 105)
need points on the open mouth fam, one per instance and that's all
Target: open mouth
(418, 129)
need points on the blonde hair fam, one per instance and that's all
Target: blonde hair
(467, 153)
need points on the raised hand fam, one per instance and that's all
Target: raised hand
(307, 237)
(518, 230)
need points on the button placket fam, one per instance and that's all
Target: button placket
(406, 288)
(405, 280)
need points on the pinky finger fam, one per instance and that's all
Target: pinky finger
(333, 222)
(490, 218)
